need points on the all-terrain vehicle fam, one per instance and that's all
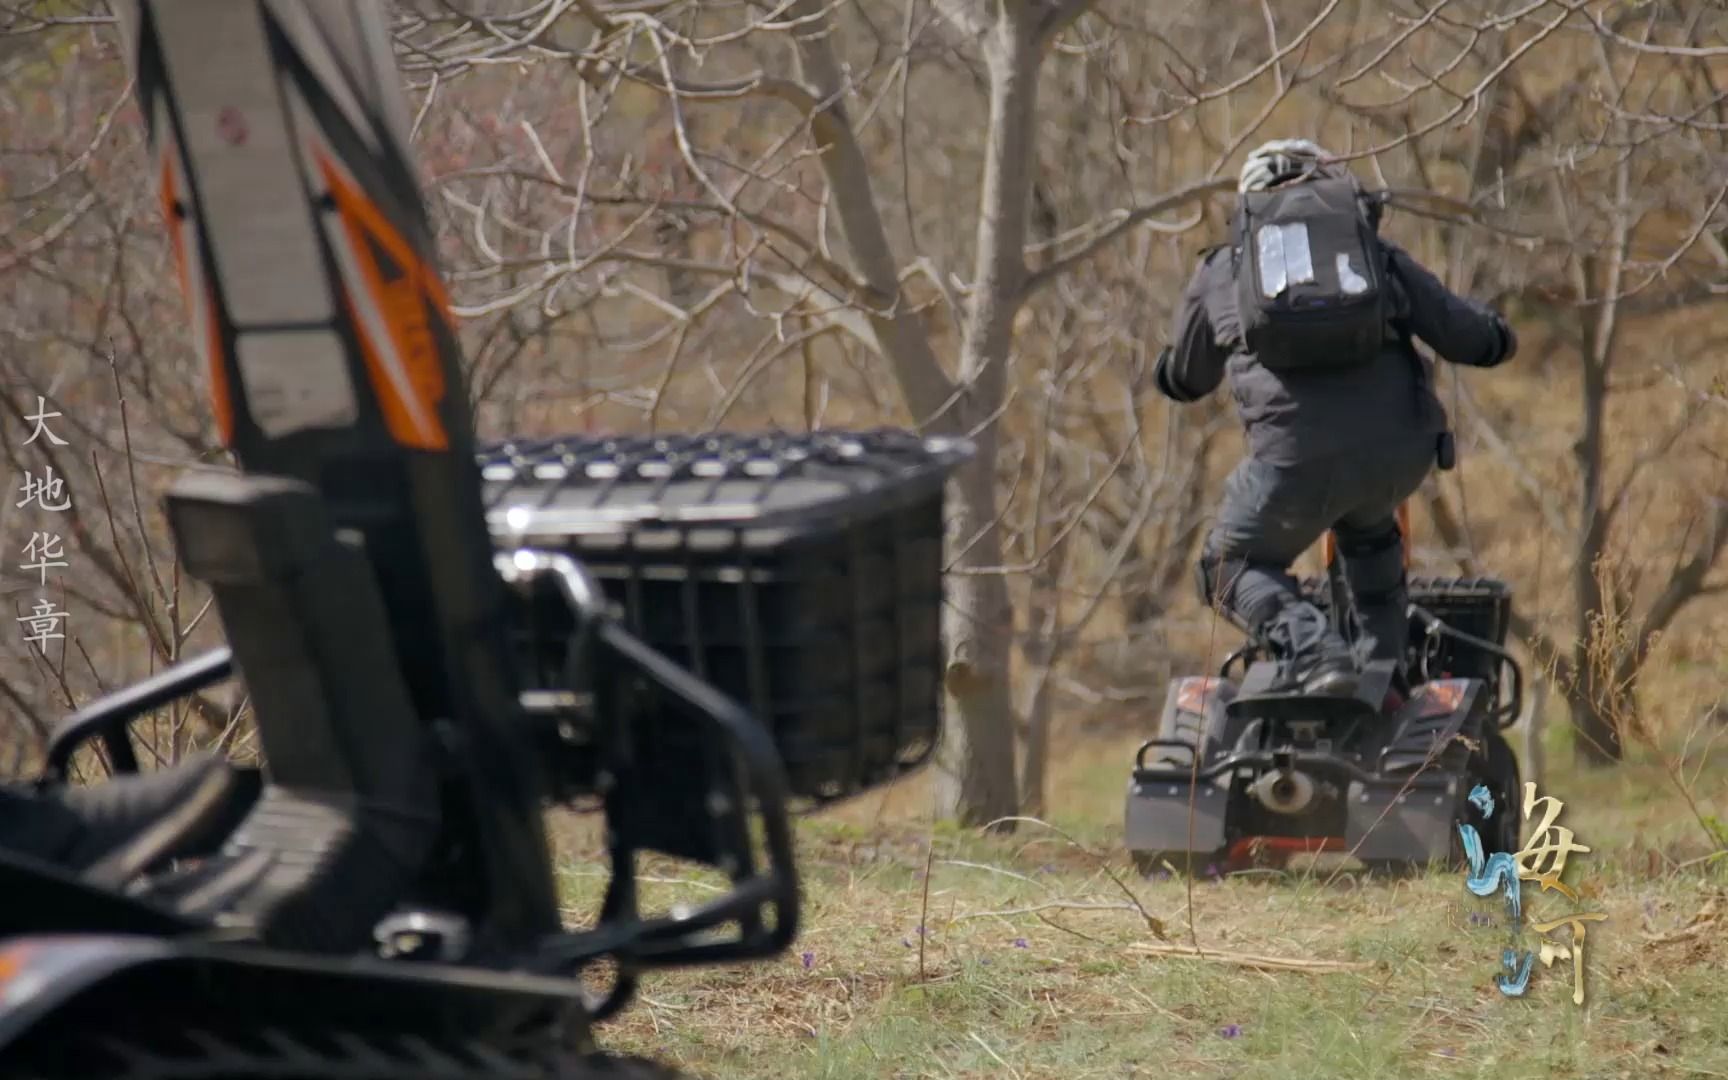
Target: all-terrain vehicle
(693, 635)
(1243, 772)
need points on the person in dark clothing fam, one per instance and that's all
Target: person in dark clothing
(1337, 447)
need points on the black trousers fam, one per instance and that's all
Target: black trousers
(1270, 514)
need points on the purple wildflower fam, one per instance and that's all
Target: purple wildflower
(809, 959)
(1230, 1031)
(1020, 943)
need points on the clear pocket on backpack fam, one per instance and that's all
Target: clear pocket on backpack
(1285, 257)
(1349, 281)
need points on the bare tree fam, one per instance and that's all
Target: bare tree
(881, 299)
(969, 217)
(1615, 198)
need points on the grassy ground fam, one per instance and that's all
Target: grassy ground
(1029, 964)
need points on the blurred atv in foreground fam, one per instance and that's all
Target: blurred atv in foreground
(690, 635)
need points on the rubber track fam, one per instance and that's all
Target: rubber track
(275, 1054)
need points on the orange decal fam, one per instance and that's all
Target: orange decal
(1192, 695)
(220, 399)
(407, 371)
(1404, 530)
(1329, 542)
(12, 961)
(1441, 697)
(220, 395)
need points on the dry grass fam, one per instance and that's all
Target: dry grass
(1034, 962)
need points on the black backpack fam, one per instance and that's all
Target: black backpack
(1311, 281)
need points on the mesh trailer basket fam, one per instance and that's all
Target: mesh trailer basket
(800, 574)
(1480, 607)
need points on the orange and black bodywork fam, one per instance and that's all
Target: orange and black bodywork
(1245, 771)
(380, 883)
(279, 135)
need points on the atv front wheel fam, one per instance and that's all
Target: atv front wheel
(607, 1067)
(1492, 766)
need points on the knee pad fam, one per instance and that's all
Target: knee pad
(1217, 576)
(1374, 566)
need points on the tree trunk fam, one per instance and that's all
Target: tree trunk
(1597, 738)
(1043, 651)
(978, 778)
(1534, 759)
(1594, 715)
(1595, 724)
(1603, 700)
(976, 769)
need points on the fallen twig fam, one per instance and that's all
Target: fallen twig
(1062, 905)
(1705, 919)
(1153, 922)
(924, 905)
(1249, 960)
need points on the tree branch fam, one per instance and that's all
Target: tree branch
(1687, 582)
(1119, 223)
(900, 333)
(1059, 15)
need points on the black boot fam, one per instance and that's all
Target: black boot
(1318, 658)
(118, 827)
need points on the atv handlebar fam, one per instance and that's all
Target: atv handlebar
(1242, 655)
(1168, 744)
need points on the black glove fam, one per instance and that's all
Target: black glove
(1508, 339)
(1166, 383)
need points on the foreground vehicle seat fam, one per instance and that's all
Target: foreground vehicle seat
(349, 806)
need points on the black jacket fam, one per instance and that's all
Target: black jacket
(1292, 417)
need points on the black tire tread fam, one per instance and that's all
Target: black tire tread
(265, 1052)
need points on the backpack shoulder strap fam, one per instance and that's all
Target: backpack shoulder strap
(1239, 226)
